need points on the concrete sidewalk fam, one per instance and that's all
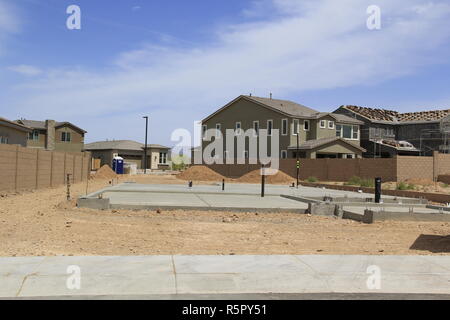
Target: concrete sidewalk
(209, 276)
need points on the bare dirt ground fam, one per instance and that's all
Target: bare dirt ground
(43, 223)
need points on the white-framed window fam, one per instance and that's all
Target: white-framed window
(163, 158)
(330, 124)
(283, 154)
(269, 127)
(256, 128)
(323, 124)
(204, 130)
(218, 130)
(66, 137)
(306, 125)
(295, 127)
(355, 133)
(284, 127)
(348, 132)
(238, 128)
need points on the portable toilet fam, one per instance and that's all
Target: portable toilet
(118, 165)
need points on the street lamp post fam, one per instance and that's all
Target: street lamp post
(145, 148)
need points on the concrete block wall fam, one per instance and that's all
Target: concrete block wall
(400, 168)
(27, 168)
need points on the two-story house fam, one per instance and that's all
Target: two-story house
(387, 133)
(13, 133)
(54, 136)
(303, 132)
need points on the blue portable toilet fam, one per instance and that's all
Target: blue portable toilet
(118, 165)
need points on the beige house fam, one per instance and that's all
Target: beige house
(54, 136)
(158, 156)
(13, 133)
(320, 134)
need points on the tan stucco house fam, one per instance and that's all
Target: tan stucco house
(158, 156)
(54, 136)
(321, 134)
(13, 133)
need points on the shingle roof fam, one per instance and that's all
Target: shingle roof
(120, 145)
(285, 106)
(14, 124)
(40, 125)
(341, 118)
(396, 117)
(312, 144)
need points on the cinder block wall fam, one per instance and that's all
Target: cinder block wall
(27, 168)
(390, 169)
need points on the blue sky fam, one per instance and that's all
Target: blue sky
(178, 61)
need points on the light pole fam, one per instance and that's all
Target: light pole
(145, 148)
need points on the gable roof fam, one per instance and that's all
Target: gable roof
(289, 108)
(286, 107)
(392, 116)
(121, 145)
(40, 125)
(340, 118)
(313, 144)
(15, 125)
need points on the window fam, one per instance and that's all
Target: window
(163, 158)
(256, 128)
(65, 137)
(283, 154)
(33, 135)
(3, 140)
(238, 128)
(269, 127)
(355, 133)
(330, 124)
(347, 132)
(295, 127)
(338, 130)
(218, 130)
(284, 127)
(204, 129)
(323, 124)
(306, 125)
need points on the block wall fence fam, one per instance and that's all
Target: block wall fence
(400, 168)
(27, 169)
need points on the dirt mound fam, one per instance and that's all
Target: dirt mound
(255, 177)
(105, 172)
(200, 173)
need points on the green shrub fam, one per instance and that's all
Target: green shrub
(357, 181)
(354, 181)
(405, 186)
(312, 179)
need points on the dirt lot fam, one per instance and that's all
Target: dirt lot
(43, 223)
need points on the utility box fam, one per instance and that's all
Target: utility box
(118, 165)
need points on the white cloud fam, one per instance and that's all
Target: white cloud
(26, 70)
(307, 45)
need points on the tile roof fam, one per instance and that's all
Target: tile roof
(120, 145)
(396, 117)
